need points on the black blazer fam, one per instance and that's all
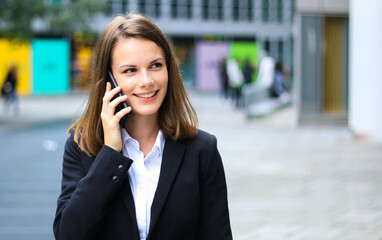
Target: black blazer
(190, 201)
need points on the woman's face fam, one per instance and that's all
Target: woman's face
(139, 67)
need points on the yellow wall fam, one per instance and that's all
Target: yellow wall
(332, 95)
(84, 55)
(13, 52)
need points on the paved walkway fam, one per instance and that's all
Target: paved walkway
(296, 183)
(284, 182)
(38, 110)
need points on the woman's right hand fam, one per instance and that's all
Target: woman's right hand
(110, 121)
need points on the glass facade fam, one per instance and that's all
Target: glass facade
(266, 22)
(267, 11)
(181, 9)
(212, 9)
(150, 8)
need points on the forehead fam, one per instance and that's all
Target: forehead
(137, 47)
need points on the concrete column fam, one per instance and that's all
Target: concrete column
(116, 7)
(287, 11)
(287, 51)
(272, 11)
(260, 42)
(165, 9)
(274, 48)
(227, 10)
(258, 10)
(133, 6)
(197, 10)
(365, 78)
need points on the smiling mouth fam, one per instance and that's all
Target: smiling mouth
(146, 95)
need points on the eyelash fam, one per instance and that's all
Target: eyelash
(155, 65)
(129, 70)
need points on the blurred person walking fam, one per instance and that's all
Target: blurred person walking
(235, 81)
(156, 177)
(277, 89)
(224, 77)
(8, 91)
(266, 71)
(249, 69)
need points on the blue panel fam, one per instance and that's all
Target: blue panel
(50, 66)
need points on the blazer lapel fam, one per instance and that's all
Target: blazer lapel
(171, 160)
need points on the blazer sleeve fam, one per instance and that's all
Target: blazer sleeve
(85, 194)
(214, 220)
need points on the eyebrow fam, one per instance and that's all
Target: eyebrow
(133, 66)
(155, 60)
(127, 66)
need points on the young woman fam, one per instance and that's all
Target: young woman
(158, 177)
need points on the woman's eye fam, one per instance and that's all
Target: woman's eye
(157, 65)
(129, 70)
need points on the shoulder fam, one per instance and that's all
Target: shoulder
(202, 146)
(72, 147)
(71, 142)
(201, 140)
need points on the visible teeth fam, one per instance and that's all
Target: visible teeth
(148, 95)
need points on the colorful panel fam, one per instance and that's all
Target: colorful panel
(208, 58)
(50, 66)
(16, 53)
(242, 51)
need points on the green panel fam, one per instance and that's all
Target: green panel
(242, 51)
(50, 66)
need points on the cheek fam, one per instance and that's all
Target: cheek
(165, 79)
(127, 88)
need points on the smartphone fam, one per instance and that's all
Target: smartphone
(121, 105)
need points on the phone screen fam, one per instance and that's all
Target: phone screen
(121, 105)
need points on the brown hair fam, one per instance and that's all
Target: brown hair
(177, 118)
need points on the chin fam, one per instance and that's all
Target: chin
(146, 112)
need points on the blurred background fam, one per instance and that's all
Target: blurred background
(291, 89)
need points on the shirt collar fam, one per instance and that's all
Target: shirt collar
(159, 141)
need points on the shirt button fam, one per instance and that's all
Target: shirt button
(115, 179)
(121, 168)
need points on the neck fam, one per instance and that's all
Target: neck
(144, 129)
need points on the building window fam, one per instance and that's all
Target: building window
(280, 49)
(116, 6)
(220, 8)
(280, 10)
(174, 8)
(250, 10)
(108, 7)
(242, 10)
(212, 9)
(149, 7)
(181, 9)
(205, 12)
(267, 47)
(265, 10)
(292, 9)
(125, 3)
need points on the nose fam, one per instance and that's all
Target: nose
(145, 79)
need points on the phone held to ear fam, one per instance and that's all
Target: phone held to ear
(121, 105)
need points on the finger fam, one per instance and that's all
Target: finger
(117, 101)
(107, 97)
(111, 93)
(122, 113)
(108, 87)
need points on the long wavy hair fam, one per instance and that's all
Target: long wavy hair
(177, 118)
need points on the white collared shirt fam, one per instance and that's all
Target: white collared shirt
(143, 176)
